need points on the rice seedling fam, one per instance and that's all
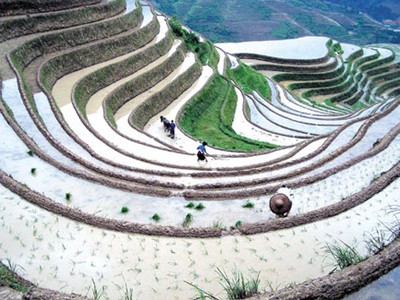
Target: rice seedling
(249, 204)
(376, 242)
(238, 224)
(124, 209)
(190, 205)
(199, 206)
(30, 152)
(237, 287)
(188, 219)
(33, 171)
(344, 255)
(128, 293)
(8, 277)
(218, 224)
(156, 217)
(96, 294)
(68, 196)
(202, 294)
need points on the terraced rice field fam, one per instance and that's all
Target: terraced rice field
(87, 168)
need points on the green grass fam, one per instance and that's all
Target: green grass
(237, 287)
(209, 117)
(205, 51)
(344, 255)
(376, 242)
(9, 278)
(249, 80)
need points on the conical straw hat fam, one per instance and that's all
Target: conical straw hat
(280, 204)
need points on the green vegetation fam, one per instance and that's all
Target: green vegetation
(188, 219)
(237, 287)
(190, 205)
(68, 196)
(124, 209)
(249, 80)
(285, 30)
(344, 255)
(96, 294)
(218, 224)
(262, 20)
(238, 224)
(156, 217)
(30, 152)
(204, 50)
(9, 277)
(199, 206)
(249, 204)
(376, 242)
(209, 117)
(33, 171)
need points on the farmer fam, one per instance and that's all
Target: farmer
(284, 189)
(166, 123)
(280, 205)
(172, 129)
(201, 152)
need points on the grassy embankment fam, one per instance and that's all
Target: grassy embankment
(209, 116)
(8, 277)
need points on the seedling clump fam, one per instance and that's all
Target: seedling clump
(190, 205)
(156, 217)
(33, 171)
(124, 209)
(249, 204)
(199, 206)
(68, 196)
(238, 224)
(188, 219)
(30, 153)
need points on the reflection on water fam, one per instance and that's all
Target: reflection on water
(385, 288)
(130, 5)
(147, 16)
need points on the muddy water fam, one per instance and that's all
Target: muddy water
(385, 288)
(12, 97)
(95, 111)
(260, 119)
(64, 255)
(242, 127)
